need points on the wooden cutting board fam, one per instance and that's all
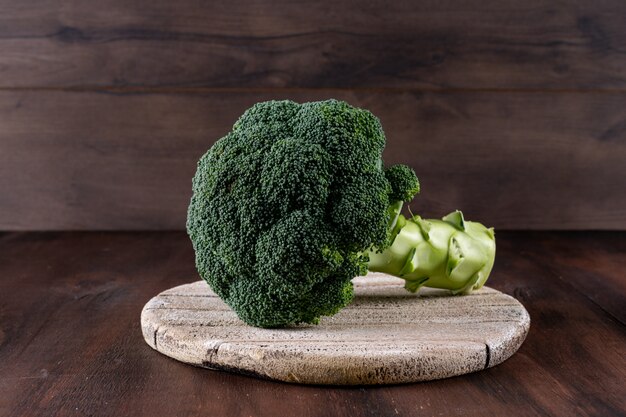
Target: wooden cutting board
(386, 336)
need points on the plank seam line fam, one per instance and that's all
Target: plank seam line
(367, 341)
(487, 355)
(213, 351)
(348, 308)
(380, 324)
(189, 295)
(258, 90)
(155, 337)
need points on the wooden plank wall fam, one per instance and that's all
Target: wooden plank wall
(513, 111)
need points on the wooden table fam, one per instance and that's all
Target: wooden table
(70, 341)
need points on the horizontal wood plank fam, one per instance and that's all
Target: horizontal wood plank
(87, 160)
(492, 44)
(70, 340)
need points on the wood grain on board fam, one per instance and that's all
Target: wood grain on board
(89, 160)
(71, 343)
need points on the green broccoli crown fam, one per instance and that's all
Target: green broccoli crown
(285, 205)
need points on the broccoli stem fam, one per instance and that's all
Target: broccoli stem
(450, 253)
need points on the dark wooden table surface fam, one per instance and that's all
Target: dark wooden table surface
(70, 340)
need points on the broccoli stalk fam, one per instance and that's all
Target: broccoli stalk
(450, 253)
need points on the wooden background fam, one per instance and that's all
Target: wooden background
(513, 111)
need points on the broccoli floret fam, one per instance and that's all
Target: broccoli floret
(404, 183)
(286, 206)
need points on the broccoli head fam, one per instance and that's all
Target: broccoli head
(286, 206)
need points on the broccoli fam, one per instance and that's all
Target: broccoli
(294, 202)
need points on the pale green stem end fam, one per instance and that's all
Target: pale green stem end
(451, 253)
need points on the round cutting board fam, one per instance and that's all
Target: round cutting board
(386, 336)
